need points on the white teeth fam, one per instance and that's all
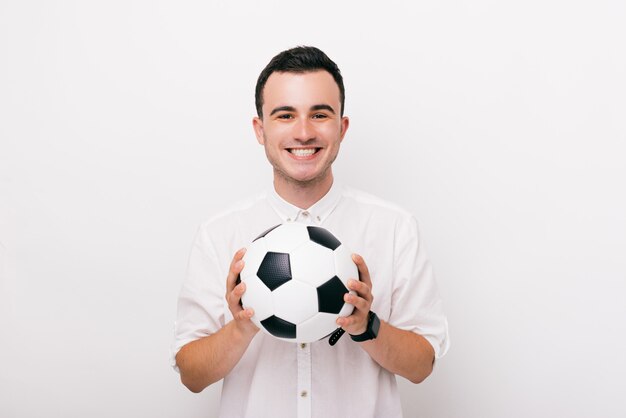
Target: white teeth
(302, 152)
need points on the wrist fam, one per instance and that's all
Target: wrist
(243, 332)
(371, 330)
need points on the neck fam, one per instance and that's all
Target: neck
(302, 194)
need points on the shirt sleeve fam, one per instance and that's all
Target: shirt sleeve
(416, 304)
(201, 301)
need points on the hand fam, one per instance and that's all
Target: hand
(356, 323)
(234, 291)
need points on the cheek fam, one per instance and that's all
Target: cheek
(333, 136)
(275, 135)
(331, 131)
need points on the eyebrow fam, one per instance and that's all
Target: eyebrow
(323, 107)
(283, 109)
(293, 109)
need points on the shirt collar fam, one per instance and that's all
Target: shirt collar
(316, 214)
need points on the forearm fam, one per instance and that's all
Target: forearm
(401, 352)
(209, 359)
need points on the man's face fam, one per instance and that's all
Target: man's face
(301, 128)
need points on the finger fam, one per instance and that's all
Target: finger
(364, 273)
(346, 322)
(350, 323)
(359, 303)
(236, 265)
(244, 314)
(234, 296)
(343, 322)
(361, 288)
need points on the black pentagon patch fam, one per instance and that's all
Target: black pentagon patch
(323, 237)
(267, 231)
(275, 270)
(330, 296)
(279, 327)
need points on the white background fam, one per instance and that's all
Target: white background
(501, 125)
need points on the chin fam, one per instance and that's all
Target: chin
(308, 180)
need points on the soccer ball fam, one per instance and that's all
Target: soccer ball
(296, 276)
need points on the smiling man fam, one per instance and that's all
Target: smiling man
(398, 326)
(301, 133)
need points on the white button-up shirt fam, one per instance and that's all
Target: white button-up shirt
(279, 379)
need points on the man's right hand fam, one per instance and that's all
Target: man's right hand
(207, 360)
(234, 292)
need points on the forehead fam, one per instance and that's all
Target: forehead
(300, 89)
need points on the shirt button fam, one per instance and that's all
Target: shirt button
(303, 345)
(303, 393)
(305, 213)
(288, 219)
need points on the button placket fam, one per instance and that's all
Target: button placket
(304, 380)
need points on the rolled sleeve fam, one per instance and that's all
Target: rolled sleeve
(201, 301)
(416, 303)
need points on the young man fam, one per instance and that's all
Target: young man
(398, 325)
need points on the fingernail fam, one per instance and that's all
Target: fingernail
(239, 264)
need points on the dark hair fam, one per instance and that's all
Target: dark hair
(300, 59)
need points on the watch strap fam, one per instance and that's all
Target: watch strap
(371, 332)
(335, 336)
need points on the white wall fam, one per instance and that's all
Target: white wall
(501, 125)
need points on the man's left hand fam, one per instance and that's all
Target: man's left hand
(356, 323)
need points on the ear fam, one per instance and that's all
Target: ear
(345, 122)
(257, 124)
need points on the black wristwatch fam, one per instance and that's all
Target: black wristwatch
(373, 324)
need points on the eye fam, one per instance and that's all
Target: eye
(320, 116)
(285, 116)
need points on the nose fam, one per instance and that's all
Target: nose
(304, 130)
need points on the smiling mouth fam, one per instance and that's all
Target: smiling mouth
(303, 152)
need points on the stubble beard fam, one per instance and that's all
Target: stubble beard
(302, 184)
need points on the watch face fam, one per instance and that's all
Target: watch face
(374, 324)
